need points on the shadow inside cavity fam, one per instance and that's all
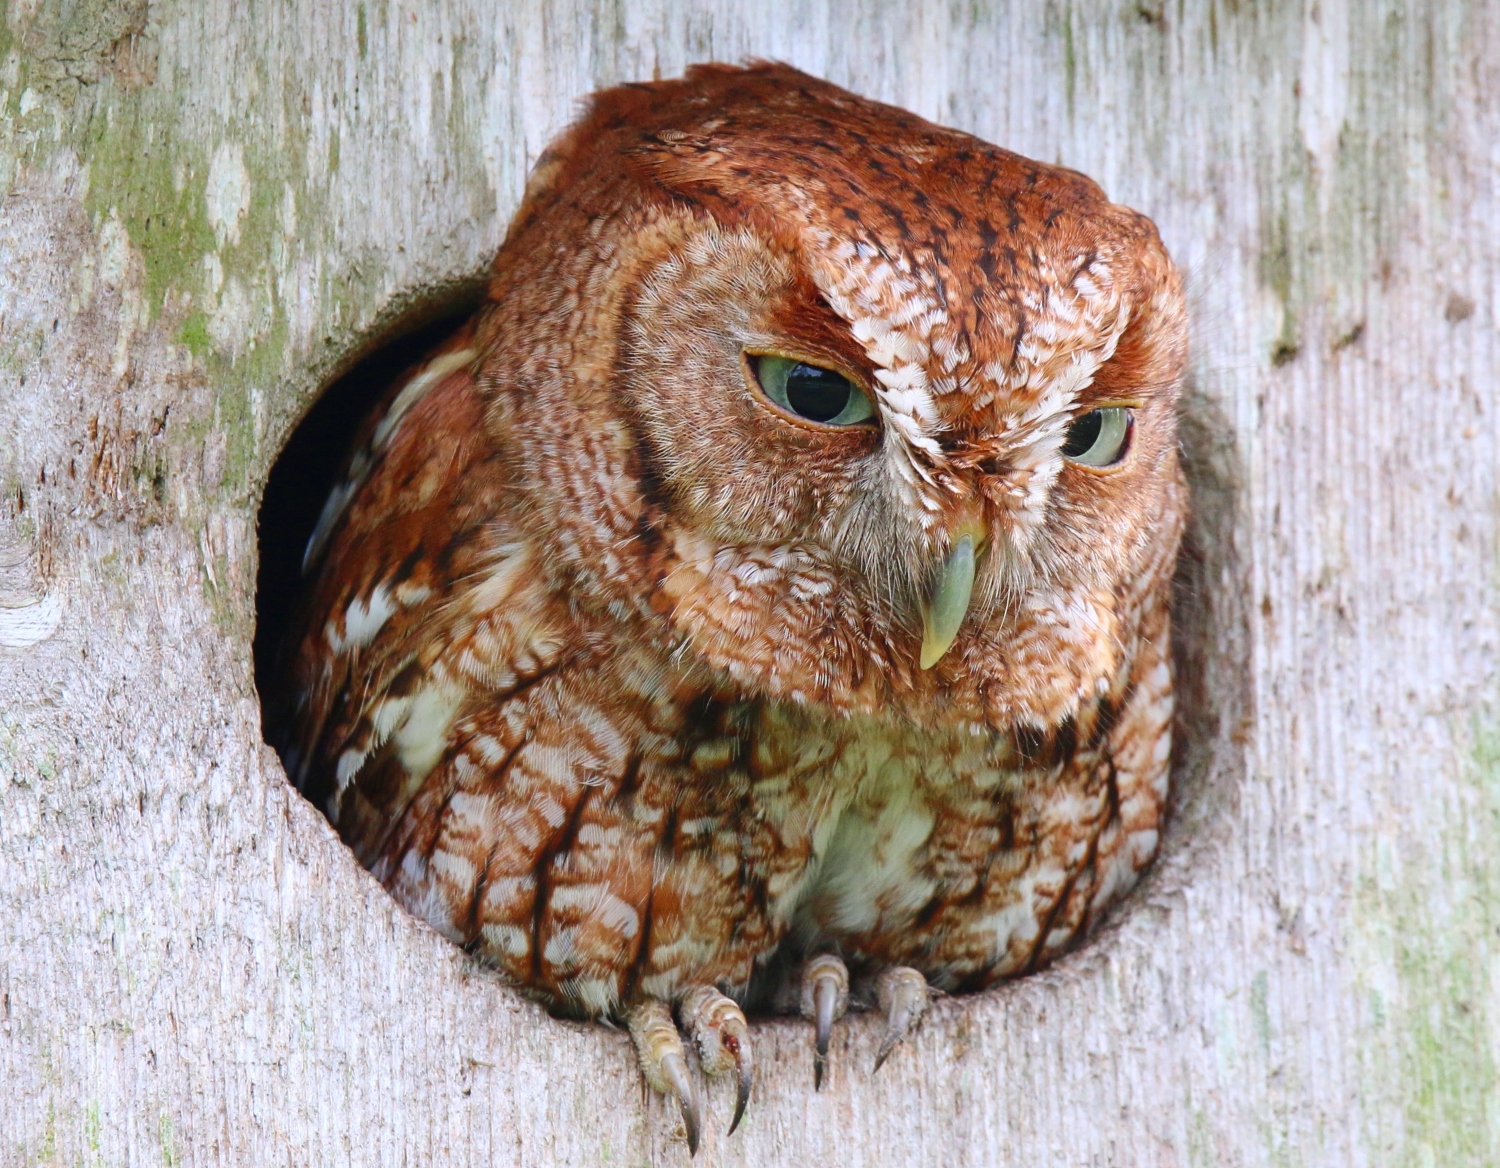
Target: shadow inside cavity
(1211, 609)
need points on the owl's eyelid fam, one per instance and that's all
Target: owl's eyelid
(748, 356)
(832, 364)
(1126, 454)
(1128, 403)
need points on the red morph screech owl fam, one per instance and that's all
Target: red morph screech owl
(763, 598)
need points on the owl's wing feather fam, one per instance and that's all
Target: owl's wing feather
(513, 780)
(405, 522)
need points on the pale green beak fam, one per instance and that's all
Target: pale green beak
(945, 611)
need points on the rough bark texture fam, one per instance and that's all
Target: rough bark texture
(211, 207)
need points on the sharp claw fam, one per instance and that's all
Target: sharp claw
(663, 1062)
(904, 995)
(742, 1091)
(894, 1033)
(825, 997)
(722, 1035)
(674, 1070)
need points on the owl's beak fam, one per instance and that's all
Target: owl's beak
(944, 613)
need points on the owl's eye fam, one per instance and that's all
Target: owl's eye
(1099, 438)
(819, 395)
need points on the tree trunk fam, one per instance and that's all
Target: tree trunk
(211, 208)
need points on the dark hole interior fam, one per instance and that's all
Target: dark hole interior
(304, 473)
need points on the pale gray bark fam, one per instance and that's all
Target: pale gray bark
(209, 205)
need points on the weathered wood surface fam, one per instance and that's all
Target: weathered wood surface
(207, 206)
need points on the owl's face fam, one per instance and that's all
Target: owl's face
(889, 413)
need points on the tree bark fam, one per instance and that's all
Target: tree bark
(210, 208)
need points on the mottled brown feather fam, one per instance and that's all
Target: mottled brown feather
(609, 670)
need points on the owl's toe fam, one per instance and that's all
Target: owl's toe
(903, 994)
(718, 1027)
(825, 997)
(663, 1061)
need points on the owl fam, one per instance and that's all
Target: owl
(762, 601)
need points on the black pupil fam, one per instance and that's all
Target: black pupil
(1083, 433)
(817, 394)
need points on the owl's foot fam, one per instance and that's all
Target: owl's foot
(663, 1061)
(825, 997)
(903, 994)
(718, 1028)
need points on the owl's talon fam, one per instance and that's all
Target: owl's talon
(742, 1089)
(903, 994)
(663, 1061)
(825, 997)
(674, 1068)
(718, 1027)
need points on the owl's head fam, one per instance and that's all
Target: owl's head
(859, 410)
